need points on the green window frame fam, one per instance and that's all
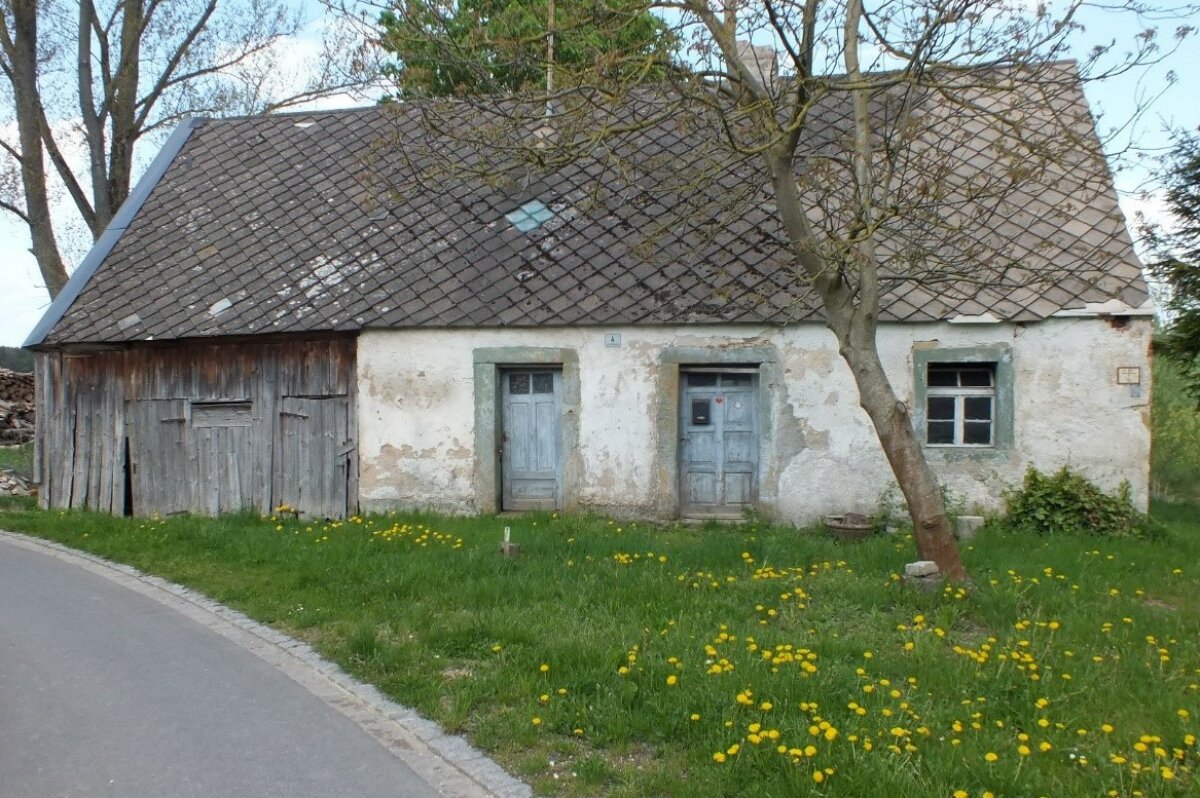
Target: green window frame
(953, 425)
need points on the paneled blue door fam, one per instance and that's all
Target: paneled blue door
(531, 447)
(719, 442)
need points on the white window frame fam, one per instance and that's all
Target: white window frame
(960, 394)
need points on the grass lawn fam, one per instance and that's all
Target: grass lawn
(618, 659)
(18, 459)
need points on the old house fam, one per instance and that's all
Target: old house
(301, 309)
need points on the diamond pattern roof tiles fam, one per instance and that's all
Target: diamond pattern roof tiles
(347, 219)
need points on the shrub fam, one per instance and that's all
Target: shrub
(1066, 503)
(1175, 431)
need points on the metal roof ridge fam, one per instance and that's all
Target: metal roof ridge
(113, 232)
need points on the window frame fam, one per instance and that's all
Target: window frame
(960, 393)
(999, 357)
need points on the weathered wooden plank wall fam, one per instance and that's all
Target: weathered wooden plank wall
(206, 426)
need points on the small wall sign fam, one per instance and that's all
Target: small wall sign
(612, 339)
(1129, 375)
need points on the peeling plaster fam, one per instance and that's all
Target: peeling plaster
(419, 446)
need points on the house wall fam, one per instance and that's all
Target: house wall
(424, 439)
(208, 428)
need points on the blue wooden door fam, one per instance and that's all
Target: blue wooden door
(531, 446)
(719, 442)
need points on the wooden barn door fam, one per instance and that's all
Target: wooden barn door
(315, 457)
(224, 456)
(161, 480)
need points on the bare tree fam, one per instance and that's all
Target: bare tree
(893, 138)
(86, 81)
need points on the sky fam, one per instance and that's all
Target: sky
(23, 298)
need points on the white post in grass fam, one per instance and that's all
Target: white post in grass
(508, 548)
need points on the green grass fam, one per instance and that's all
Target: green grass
(1056, 638)
(1175, 460)
(18, 459)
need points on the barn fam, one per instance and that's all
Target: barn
(306, 310)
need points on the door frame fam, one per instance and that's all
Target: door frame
(673, 361)
(489, 363)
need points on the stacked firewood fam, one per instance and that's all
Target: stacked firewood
(16, 407)
(13, 485)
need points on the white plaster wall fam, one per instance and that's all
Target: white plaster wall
(417, 437)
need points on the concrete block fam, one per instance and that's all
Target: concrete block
(921, 568)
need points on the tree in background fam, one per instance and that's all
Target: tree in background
(874, 201)
(85, 81)
(1177, 263)
(497, 46)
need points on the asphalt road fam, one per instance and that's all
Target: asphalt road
(105, 692)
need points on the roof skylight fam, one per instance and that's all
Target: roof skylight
(530, 216)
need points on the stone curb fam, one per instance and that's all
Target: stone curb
(448, 763)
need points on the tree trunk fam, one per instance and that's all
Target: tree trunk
(893, 424)
(29, 131)
(124, 106)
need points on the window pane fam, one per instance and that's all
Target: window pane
(735, 380)
(518, 383)
(543, 383)
(976, 377)
(939, 408)
(978, 408)
(940, 431)
(942, 376)
(702, 380)
(977, 432)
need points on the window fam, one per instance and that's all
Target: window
(523, 382)
(960, 404)
(530, 216)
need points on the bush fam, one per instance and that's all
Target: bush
(1066, 503)
(1175, 431)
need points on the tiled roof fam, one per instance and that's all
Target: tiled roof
(362, 218)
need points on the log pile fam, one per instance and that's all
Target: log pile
(16, 407)
(13, 485)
